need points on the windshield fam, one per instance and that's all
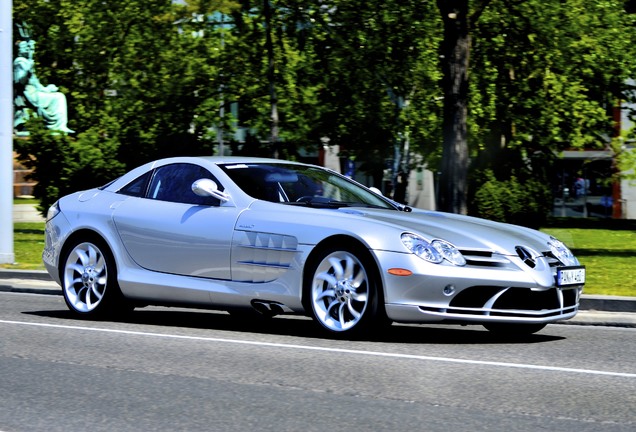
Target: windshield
(302, 185)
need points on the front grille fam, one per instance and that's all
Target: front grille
(510, 302)
(484, 258)
(526, 256)
(552, 260)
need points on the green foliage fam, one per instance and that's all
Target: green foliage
(64, 164)
(151, 78)
(379, 66)
(139, 69)
(512, 200)
(546, 74)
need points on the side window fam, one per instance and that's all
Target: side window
(254, 182)
(174, 183)
(137, 187)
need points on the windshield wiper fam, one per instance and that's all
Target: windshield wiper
(319, 202)
(367, 205)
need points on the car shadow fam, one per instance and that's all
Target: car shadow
(306, 328)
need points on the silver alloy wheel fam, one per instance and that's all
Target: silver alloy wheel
(85, 277)
(340, 291)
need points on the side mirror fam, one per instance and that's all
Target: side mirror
(208, 188)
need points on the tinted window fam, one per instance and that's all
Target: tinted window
(174, 183)
(136, 187)
(301, 184)
(256, 183)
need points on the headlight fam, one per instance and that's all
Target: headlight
(449, 252)
(561, 252)
(53, 211)
(435, 251)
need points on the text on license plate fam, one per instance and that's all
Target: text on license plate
(571, 276)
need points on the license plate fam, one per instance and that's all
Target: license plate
(570, 276)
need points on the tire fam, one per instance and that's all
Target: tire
(342, 291)
(514, 329)
(89, 279)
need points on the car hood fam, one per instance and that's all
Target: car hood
(465, 232)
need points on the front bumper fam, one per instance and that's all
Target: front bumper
(55, 232)
(511, 305)
(503, 293)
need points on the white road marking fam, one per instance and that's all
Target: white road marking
(332, 350)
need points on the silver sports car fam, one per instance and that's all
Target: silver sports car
(275, 237)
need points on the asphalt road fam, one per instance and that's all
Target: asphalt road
(176, 369)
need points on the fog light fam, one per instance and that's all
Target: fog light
(449, 290)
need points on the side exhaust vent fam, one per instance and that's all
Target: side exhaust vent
(270, 308)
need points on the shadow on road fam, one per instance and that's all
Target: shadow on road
(306, 328)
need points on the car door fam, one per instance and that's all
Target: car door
(169, 229)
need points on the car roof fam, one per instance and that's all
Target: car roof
(216, 160)
(223, 160)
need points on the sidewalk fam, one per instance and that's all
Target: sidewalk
(594, 310)
(26, 213)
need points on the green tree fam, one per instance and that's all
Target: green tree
(62, 163)
(138, 75)
(512, 200)
(554, 71)
(377, 65)
(544, 77)
(381, 79)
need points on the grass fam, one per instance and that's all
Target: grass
(26, 201)
(609, 254)
(28, 242)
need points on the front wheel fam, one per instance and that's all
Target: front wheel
(89, 279)
(343, 294)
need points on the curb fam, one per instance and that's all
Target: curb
(608, 303)
(40, 275)
(28, 281)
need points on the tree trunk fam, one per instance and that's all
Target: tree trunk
(455, 52)
(271, 78)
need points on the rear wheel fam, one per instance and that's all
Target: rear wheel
(89, 279)
(343, 293)
(514, 329)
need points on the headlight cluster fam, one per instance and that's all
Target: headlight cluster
(435, 251)
(561, 252)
